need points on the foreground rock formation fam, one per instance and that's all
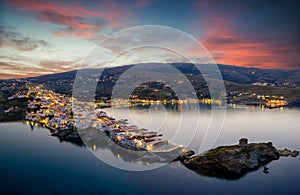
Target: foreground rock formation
(287, 153)
(232, 162)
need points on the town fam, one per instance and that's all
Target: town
(65, 117)
(269, 101)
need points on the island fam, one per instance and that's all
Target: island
(235, 161)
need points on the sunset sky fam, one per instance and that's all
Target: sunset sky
(43, 37)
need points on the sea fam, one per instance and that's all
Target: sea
(34, 162)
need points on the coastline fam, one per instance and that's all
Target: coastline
(65, 117)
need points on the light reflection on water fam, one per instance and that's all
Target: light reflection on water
(259, 124)
(33, 162)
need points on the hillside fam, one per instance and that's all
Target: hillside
(237, 79)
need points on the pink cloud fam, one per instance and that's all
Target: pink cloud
(224, 40)
(86, 34)
(74, 18)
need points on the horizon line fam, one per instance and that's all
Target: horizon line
(76, 69)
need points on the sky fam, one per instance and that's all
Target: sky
(43, 37)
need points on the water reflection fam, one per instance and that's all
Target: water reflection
(240, 122)
(33, 126)
(100, 143)
(103, 147)
(68, 169)
(172, 107)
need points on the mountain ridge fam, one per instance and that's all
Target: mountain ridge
(236, 74)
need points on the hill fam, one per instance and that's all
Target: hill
(237, 80)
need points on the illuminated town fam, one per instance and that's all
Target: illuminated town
(65, 116)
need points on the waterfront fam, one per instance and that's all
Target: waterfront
(33, 162)
(67, 118)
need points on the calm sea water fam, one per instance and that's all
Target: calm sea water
(33, 162)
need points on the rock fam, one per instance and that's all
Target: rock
(232, 162)
(286, 152)
(185, 153)
(266, 170)
(295, 153)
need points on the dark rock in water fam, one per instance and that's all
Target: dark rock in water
(185, 153)
(266, 170)
(232, 162)
(287, 152)
(295, 153)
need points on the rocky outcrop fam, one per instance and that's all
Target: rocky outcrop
(184, 154)
(287, 153)
(232, 162)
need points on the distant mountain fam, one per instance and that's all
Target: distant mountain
(236, 74)
(237, 79)
(243, 75)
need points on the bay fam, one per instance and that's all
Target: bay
(33, 162)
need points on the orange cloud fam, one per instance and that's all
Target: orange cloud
(16, 70)
(258, 46)
(228, 46)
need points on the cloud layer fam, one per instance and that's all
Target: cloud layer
(253, 34)
(52, 35)
(72, 18)
(10, 38)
